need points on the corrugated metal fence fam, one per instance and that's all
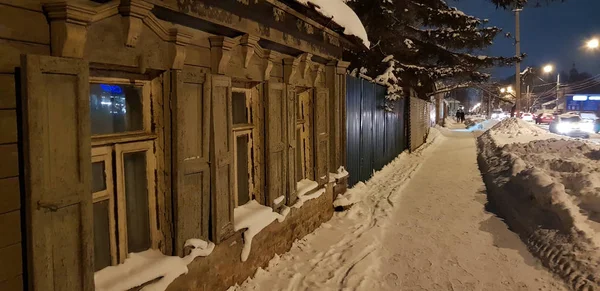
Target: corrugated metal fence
(420, 121)
(375, 127)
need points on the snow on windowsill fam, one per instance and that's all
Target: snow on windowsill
(278, 200)
(254, 217)
(341, 14)
(146, 266)
(305, 186)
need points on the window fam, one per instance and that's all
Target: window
(304, 136)
(123, 170)
(243, 131)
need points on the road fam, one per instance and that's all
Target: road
(594, 137)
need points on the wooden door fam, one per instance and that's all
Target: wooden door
(57, 161)
(276, 143)
(191, 171)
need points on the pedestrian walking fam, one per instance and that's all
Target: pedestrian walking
(458, 115)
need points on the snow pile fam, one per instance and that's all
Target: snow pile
(545, 185)
(341, 14)
(254, 217)
(141, 268)
(512, 130)
(345, 253)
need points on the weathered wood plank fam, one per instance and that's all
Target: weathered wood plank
(8, 94)
(9, 195)
(10, 53)
(10, 227)
(33, 5)
(12, 262)
(12, 284)
(8, 126)
(9, 156)
(23, 25)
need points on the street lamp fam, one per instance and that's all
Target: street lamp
(593, 43)
(549, 68)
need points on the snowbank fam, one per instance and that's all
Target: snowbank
(144, 267)
(254, 217)
(306, 186)
(548, 189)
(341, 14)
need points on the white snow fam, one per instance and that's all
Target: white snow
(418, 224)
(279, 199)
(513, 130)
(343, 15)
(143, 267)
(254, 217)
(306, 186)
(341, 173)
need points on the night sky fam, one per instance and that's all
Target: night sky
(554, 33)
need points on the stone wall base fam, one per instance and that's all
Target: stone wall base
(224, 268)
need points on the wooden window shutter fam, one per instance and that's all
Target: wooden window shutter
(291, 135)
(222, 175)
(191, 170)
(58, 161)
(276, 143)
(321, 109)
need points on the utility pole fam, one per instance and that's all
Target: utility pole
(518, 65)
(528, 97)
(557, 90)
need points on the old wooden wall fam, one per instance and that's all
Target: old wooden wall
(23, 29)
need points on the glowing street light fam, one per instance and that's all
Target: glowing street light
(593, 43)
(509, 89)
(548, 69)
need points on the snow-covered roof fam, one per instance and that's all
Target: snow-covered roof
(341, 14)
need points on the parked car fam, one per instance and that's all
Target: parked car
(498, 114)
(571, 125)
(527, 117)
(544, 118)
(588, 117)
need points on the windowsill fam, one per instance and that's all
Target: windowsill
(242, 126)
(129, 137)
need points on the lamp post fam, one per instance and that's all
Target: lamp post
(518, 53)
(548, 69)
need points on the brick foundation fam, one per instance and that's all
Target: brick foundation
(224, 268)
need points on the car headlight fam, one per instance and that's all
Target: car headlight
(564, 127)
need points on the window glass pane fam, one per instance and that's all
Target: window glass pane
(98, 177)
(240, 115)
(242, 169)
(115, 108)
(136, 199)
(101, 236)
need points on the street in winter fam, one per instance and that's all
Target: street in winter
(299, 145)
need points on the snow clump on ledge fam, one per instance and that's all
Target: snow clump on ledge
(141, 268)
(254, 217)
(341, 14)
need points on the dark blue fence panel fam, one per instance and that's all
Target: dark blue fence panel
(353, 97)
(375, 127)
(366, 129)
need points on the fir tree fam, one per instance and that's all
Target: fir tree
(423, 42)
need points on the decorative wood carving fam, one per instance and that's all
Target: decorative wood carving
(134, 12)
(342, 67)
(290, 70)
(318, 72)
(68, 28)
(178, 40)
(220, 53)
(269, 58)
(249, 45)
(306, 60)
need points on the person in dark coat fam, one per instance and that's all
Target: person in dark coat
(462, 116)
(458, 115)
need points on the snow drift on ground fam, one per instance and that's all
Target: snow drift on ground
(343, 254)
(551, 183)
(341, 14)
(141, 268)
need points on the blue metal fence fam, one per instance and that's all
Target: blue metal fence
(375, 128)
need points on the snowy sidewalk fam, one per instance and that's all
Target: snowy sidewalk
(420, 225)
